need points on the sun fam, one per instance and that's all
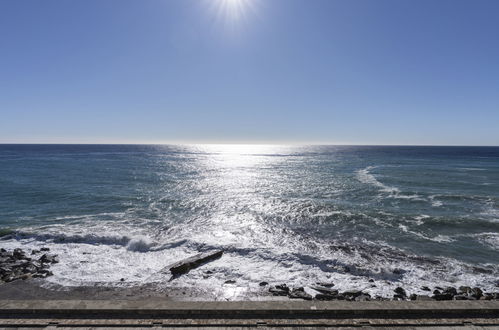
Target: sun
(234, 10)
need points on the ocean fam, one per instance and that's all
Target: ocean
(363, 217)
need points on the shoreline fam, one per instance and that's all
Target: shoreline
(25, 277)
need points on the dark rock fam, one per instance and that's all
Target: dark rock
(399, 271)
(436, 292)
(399, 297)
(278, 292)
(425, 288)
(413, 296)
(299, 293)
(283, 287)
(230, 282)
(122, 279)
(464, 289)
(326, 296)
(450, 290)
(400, 291)
(263, 283)
(351, 295)
(363, 297)
(35, 251)
(476, 293)
(371, 280)
(326, 285)
(443, 296)
(439, 288)
(45, 249)
(460, 297)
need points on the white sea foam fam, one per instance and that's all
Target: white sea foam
(365, 176)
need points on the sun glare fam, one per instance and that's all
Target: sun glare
(232, 11)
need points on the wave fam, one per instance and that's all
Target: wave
(365, 176)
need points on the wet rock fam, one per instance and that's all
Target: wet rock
(400, 292)
(325, 285)
(460, 297)
(283, 287)
(450, 290)
(326, 296)
(122, 279)
(230, 282)
(436, 292)
(443, 296)
(476, 293)
(263, 283)
(425, 288)
(371, 280)
(44, 249)
(363, 297)
(299, 293)
(351, 295)
(278, 292)
(16, 265)
(323, 289)
(35, 251)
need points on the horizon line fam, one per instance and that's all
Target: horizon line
(250, 143)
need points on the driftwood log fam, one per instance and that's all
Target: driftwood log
(184, 266)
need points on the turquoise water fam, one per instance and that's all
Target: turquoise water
(347, 214)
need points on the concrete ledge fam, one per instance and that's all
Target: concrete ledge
(135, 309)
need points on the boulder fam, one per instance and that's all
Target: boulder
(299, 293)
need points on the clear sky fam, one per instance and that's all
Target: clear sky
(253, 71)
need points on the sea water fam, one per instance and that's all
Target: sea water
(351, 215)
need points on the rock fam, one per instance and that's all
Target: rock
(325, 296)
(184, 266)
(443, 296)
(122, 279)
(363, 297)
(35, 251)
(460, 297)
(436, 292)
(278, 292)
(44, 249)
(439, 288)
(230, 282)
(450, 290)
(371, 280)
(283, 287)
(299, 293)
(425, 288)
(476, 293)
(400, 291)
(351, 295)
(325, 285)
(263, 283)
(322, 289)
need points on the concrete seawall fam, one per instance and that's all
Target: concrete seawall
(144, 313)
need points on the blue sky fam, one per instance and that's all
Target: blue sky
(275, 71)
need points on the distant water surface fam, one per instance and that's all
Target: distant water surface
(407, 216)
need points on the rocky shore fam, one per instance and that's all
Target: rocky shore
(19, 265)
(325, 291)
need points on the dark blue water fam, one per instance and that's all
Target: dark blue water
(410, 215)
